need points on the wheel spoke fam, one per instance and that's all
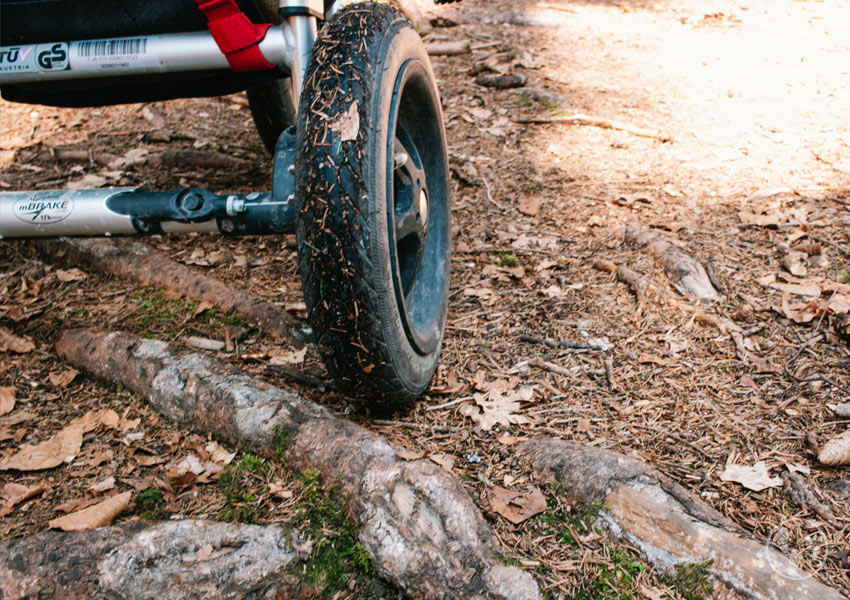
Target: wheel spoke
(409, 223)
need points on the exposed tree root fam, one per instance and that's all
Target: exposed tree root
(172, 559)
(135, 261)
(579, 119)
(669, 525)
(686, 273)
(643, 289)
(420, 527)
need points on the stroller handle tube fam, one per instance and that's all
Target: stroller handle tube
(115, 57)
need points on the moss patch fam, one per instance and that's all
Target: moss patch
(691, 580)
(337, 557)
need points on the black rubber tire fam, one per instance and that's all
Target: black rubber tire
(379, 340)
(273, 108)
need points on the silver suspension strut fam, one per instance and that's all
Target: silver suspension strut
(301, 16)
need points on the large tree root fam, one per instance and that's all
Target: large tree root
(135, 261)
(686, 273)
(173, 559)
(421, 529)
(669, 525)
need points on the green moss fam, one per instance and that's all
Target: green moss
(252, 463)
(212, 317)
(508, 561)
(156, 311)
(281, 441)
(615, 579)
(337, 554)
(565, 526)
(691, 580)
(505, 259)
(149, 504)
(240, 504)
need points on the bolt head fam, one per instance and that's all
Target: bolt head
(423, 206)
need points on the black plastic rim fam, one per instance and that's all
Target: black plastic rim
(417, 207)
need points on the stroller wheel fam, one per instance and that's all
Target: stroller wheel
(272, 106)
(372, 201)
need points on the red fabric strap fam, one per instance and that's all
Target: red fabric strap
(237, 37)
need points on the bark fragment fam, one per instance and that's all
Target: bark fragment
(152, 561)
(420, 527)
(686, 273)
(669, 525)
(136, 261)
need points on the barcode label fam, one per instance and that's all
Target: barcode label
(122, 47)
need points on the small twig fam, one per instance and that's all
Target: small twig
(674, 437)
(542, 364)
(557, 344)
(449, 403)
(490, 199)
(304, 379)
(439, 428)
(609, 372)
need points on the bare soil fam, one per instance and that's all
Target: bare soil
(736, 98)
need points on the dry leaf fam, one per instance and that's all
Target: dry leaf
(219, 454)
(406, 454)
(799, 313)
(444, 460)
(293, 357)
(754, 478)
(498, 406)
(103, 486)
(15, 493)
(97, 515)
(60, 448)
(517, 507)
(125, 425)
(529, 205)
(509, 440)
(13, 343)
(64, 378)
(109, 418)
(191, 463)
(793, 263)
(180, 478)
(277, 489)
(348, 124)
(149, 461)
(70, 275)
(76, 504)
(836, 451)
(7, 400)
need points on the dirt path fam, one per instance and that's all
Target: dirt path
(752, 98)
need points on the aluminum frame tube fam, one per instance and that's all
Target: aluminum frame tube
(303, 29)
(116, 57)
